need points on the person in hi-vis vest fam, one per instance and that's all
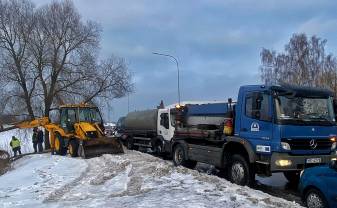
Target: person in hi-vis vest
(16, 145)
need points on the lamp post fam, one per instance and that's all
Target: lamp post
(177, 64)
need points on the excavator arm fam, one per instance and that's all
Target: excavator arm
(44, 121)
(87, 139)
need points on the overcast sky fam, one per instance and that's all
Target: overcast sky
(216, 42)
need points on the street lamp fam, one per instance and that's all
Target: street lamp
(172, 57)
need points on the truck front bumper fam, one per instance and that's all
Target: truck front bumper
(284, 162)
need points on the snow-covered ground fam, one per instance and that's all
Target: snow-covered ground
(130, 180)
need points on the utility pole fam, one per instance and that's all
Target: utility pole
(177, 64)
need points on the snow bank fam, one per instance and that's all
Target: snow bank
(25, 137)
(130, 180)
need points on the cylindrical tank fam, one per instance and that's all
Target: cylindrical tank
(141, 121)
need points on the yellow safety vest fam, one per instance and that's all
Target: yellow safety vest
(15, 143)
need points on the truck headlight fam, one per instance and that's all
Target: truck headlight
(285, 146)
(333, 146)
(283, 163)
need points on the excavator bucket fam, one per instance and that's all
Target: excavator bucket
(99, 146)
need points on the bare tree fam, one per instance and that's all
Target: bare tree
(304, 62)
(49, 57)
(15, 27)
(66, 38)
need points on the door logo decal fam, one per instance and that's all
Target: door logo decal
(255, 127)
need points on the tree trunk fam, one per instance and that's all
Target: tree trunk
(46, 140)
(46, 133)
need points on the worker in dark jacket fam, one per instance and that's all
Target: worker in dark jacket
(16, 145)
(40, 139)
(34, 140)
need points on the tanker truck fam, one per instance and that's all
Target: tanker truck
(269, 129)
(155, 128)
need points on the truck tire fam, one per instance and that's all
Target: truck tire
(157, 148)
(292, 176)
(73, 148)
(179, 158)
(60, 148)
(80, 151)
(313, 198)
(223, 173)
(129, 143)
(239, 171)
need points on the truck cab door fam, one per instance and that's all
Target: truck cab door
(256, 120)
(164, 124)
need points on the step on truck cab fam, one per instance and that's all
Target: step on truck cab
(276, 129)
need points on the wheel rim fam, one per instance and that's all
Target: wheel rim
(57, 144)
(81, 151)
(158, 149)
(178, 156)
(71, 149)
(237, 173)
(314, 201)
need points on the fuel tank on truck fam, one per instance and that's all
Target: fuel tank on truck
(141, 121)
(206, 114)
(204, 121)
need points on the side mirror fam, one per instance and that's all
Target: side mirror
(333, 164)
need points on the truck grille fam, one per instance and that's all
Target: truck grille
(309, 144)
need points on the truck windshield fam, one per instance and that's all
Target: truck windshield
(90, 115)
(305, 109)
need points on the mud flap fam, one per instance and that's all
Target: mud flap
(99, 146)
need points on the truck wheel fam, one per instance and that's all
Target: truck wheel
(130, 145)
(157, 149)
(60, 145)
(314, 199)
(80, 151)
(239, 171)
(180, 159)
(223, 173)
(73, 148)
(292, 176)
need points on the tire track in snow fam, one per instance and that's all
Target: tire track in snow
(94, 174)
(120, 179)
(60, 192)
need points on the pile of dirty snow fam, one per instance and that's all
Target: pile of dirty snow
(133, 179)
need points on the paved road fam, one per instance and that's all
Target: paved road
(276, 185)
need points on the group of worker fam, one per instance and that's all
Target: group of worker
(37, 140)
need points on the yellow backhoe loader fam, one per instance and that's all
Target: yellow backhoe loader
(80, 132)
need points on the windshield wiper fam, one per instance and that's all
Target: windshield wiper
(322, 119)
(291, 119)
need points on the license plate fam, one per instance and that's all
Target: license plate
(314, 160)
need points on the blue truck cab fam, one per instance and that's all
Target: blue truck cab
(288, 128)
(276, 129)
